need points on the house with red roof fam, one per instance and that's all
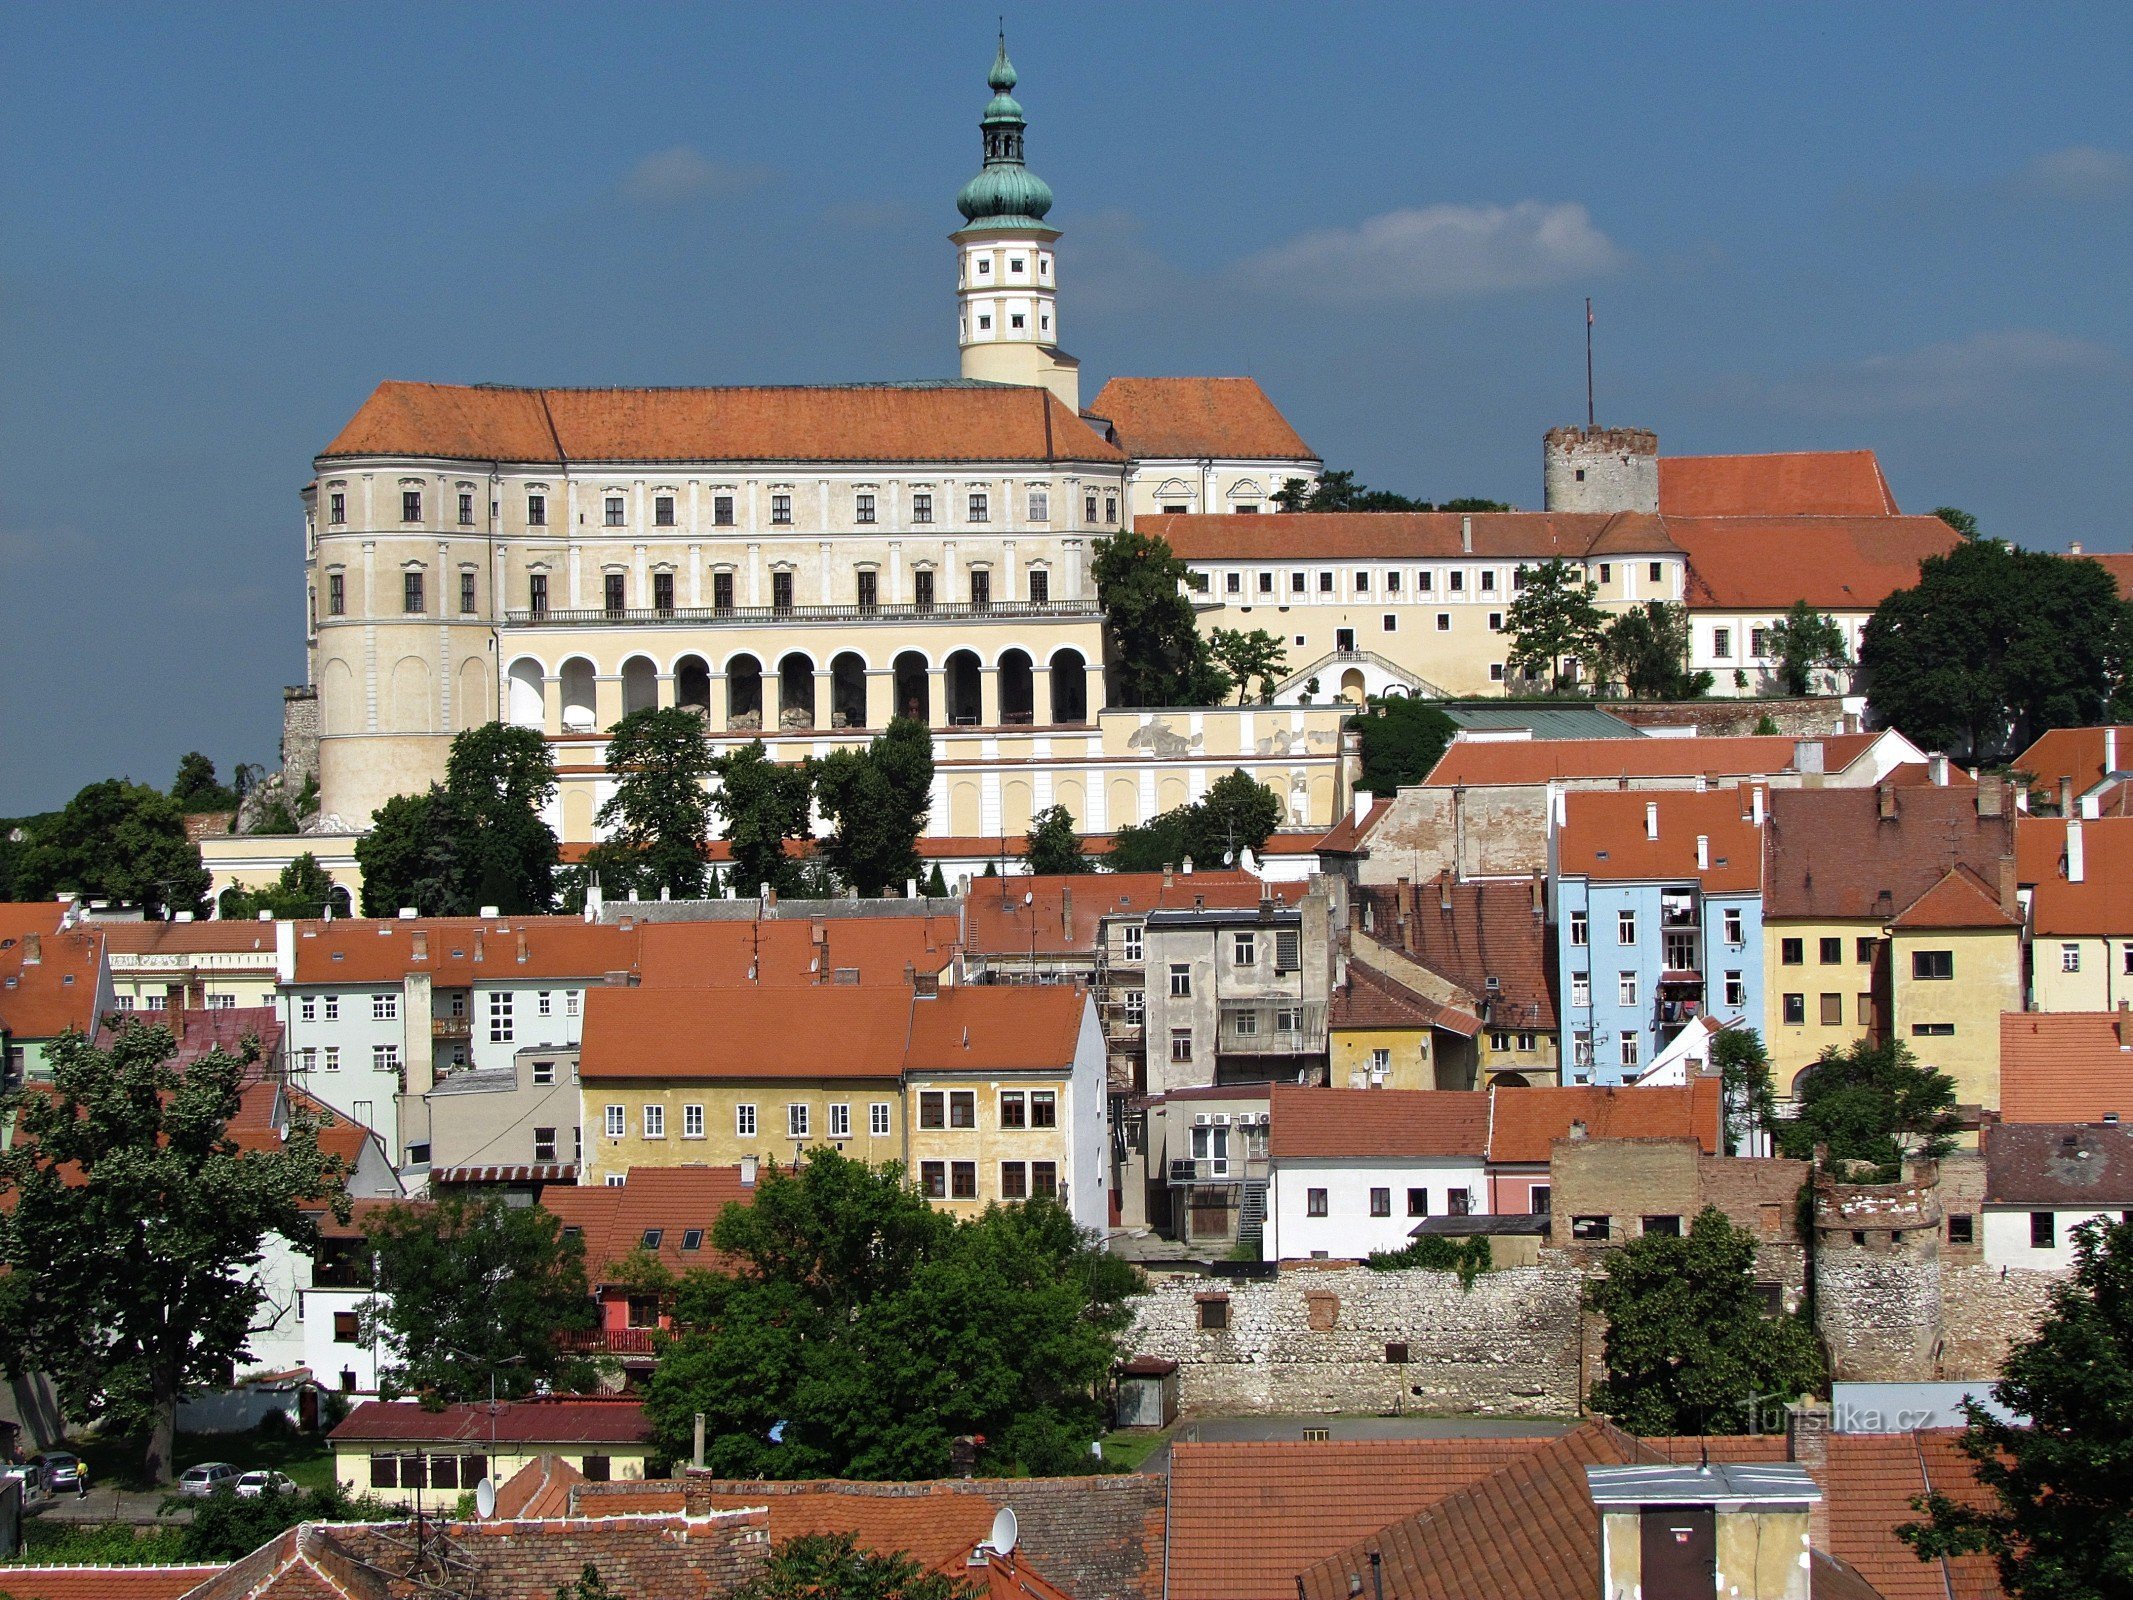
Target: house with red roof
(2066, 1066)
(1214, 445)
(52, 979)
(2076, 872)
(398, 1450)
(1351, 1171)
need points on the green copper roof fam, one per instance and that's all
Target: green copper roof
(1005, 193)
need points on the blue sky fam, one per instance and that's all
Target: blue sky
(1905, 227)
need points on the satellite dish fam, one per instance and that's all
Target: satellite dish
(1029, 896)
(485, 1498)
(1005, 1531)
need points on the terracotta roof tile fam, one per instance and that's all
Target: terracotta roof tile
(949, 421)
(1302, 536)
(102, 1583)
(517, 1422)
(1870, 1482)
(615, 1219)
(1525, 1123)
(2067, 1066)
(48, 978)
(1604, 836)
(1492, 761)
(1830, 853)
(996, 922)
(2083, 755)
(2061, 1165)
(1961, 899)
(1347, 836)
(541, 1488)
(1374, 999)
(1196, 417)
(188, 938)
(785, 951)
(1488, 930)
(2119, 564)
(460, 951)
(1309, 1123)
(1793, 483)
(1847, 564)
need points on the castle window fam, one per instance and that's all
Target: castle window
(1658, 572)
(1015, 320)
(721, 591)
(410, 505)
(984, 267)
(663, 511)
(466, 593)
(663, 593)
(1325, 583)
(980, 510)
(411, 593)
(984, 319)
(1932, 963)
(537, 594)
(1040, 587)
(1458, 583)
(863, 508)
(536, 511)
(980, 589)
(922, 507)
(1362, 583)
(1040, 505)
(869, 592)
(613, 512)
(1607, 568)
(1444, 622)
(1495, 672)
(922, 590)
(466, 510)
(1015, 264)
(1722, 643)
(1581, 475)
(781, 510)
(1110, 508)
(336, 594)
(722, 510)
(1088, 508)
(337, 508)
(781, 591)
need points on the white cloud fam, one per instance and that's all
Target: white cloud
(2081, 174)
(683, 173)
(1989, 369)
(1439, 252)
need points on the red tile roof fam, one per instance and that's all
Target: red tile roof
(201, 1031)
(856, 422)
(1002, 1028)
(1301, 536)
(1870, 1482)
(541, 1488)
(2119, 564)
(48, 978)
(1844, 564)
(1309, 1123)
(2060, 1165)
(263, 1111)
(1792, 483)
(1492, 761)
(996, 921)
(1197, 417)
(189, 938)
(1487, 930)
(2084, 755)
(1604, 835)
(1831, 854)
(792, 950)
(516, 1422)
(1373, 999)
(1346, 836)
(102, 1583)
(1247, 1516)
(1525, 1123)
(2065, 1066)
(1961, 899)
(459, 951)
(613, 1219)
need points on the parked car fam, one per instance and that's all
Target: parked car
(254, 1484)
(31, 1476)
(204, 1479)
(62, 1470)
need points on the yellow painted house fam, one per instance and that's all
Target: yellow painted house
(404, 1455)
(1955, 964)
(1382, 1034)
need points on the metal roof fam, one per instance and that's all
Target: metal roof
(1728, 1482)
(1547, 722)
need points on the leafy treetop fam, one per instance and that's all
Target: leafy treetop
(658, 819)
(876, 801)
(1871, 1102)
(1158, 657)
(1238, 813)
(1647, 652)
(196, 788)
(303, 889)
(1338, 491)
(475, 840)
(1248, 655)
(832, 1566)
(1552, 622)
(1403, 737)
(1053, 846)
(764, 803)
(119, 841)
(1802, 641)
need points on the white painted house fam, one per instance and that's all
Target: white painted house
(1350, 1171)
(2043, 1180)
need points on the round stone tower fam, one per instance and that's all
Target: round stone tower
(1600, 469)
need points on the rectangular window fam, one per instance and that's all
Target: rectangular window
(1213, 1311)
(922, 507)
(1795, 1012)
(692, 1122)
(1540, 1200)
(570, 1002)
(544, 1003)
(544, 1144)
(536, 511)
(663, 593)
(1590, 1228)
(863, 508)
(1040, 506)
(410, 505)
(1962, 1228)
(1736, 990)
(1626, 988)
(333, 1058)
(1631, 1049)
(1181, 1044)
(962, 1108)
(1088, 508)
(1136, 1007)
(1863, 951)
(384, 1007)
(1933, 964)
(1444, 622)
(385, 1472)
(922, 590)
(869, 591)
(1668, 1225)
(1111, 508)
(1381, 1202)
(1014, 1110)
(1625, 927)
(1288, 943)
(1733, 934)
(466, 509)
(878, 1119)
(1658, 572)
(744, 1122)
(933, 1179)
(1832, 952)
(537, 594)
(612, 514)
(840, 1121)
(411, 593)
(1577, 929)
(781, 591)
(500, 1016)
(1832, 1011)
(721, 591)
(336, 594)
(1722, 643)
(1180, 980)
(1755, 644)
(617, 1121)
(307, 1008)
(980, 588)
(614, 592)
(1495, 622)
(663, 511)
(781, 510)
(1792, 952)
(2069, 958)
(1381, 1061)
(1418, 1202)
(1244, 949)
(962, 1180)
(337, 508)
(1325, 583)
(932, 1109)
(597, 1469)
(796, 1120)
(655, 1122)
(722, 511)
(1932, 1030)
(980, 507)
(1040, 587)
(1314, 1202)
(1580, 990)
(2043, 1230)
(1014, 1180)
(466, 593)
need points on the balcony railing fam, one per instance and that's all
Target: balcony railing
(611, 1341)
(451, 1027)
(1234, 1169)
(752, 616)
(1266, 1035)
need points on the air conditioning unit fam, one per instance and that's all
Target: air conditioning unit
(1494, 984)
(1221, 1119)
(1199, 1119)
(1266, 1118)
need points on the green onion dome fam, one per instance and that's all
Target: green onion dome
(1005, 193)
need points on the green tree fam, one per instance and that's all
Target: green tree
(876, 802)
(1647, 652)
(1553, 621)
(304, 889)
(936, 885)
(1403, 737)
(1238, 813)
(1054, 847)
(1245, 656)
(412, 856)
(832, 1566)
(196, 788)
(119, 841)
(2059, 1521)
(468, 1290)
(1871, 1102)
(130, 1222)
(1338, 491)
(499, 778)
(1958, 519)
(1688, 1348)
(658, 820)
(1801, 641)
(859, 1332)
(1994, 646)
(1744, 1079)
(228, 1527)
(763, 804)
(1152, 845)
(1157, 656)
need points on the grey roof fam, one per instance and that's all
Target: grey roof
(2059, 1164)
(1511, 1223)
(478, 1080)
(1547, 722)
(1721, 1481)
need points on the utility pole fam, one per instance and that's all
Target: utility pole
(1589, 422)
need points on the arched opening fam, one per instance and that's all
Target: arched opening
(1508, 1080)
(914, 687)
(1018, 694)
(692, 683)
(848, 690)
(796, 692)
(580, 711)
(744, 693)
(1352, 686)
(640, 685)
(1070, 687)
(966, 699)
(528, 694)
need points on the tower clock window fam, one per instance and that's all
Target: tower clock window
(613, 513)
(536, 511)
(663, 511)
(410, 505)
(336, 594)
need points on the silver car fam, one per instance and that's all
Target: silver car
(204, 1479)
(253, 1485)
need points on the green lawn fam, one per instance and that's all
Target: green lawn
(116, 1462)
(1127, 1448)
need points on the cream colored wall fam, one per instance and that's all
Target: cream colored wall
(1210, 486)
(1987, 981)
(989, 1144)
(721, 1144)
(1793, 1048)
(2104, 978)
(246, 978)
(351, 1465)
(254, 860)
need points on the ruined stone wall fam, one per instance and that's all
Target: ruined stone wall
(1317, 1340)
(1495, 832)
(1983, 1312)
(1809, 717)
(1600, 469)
(300, 727)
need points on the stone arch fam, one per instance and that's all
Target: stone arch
(913, 690)
(796, 690)
(1321, 800)
(526, 696)
(344, 707)
(577, 814)
(848, 690)
(1070, 686)
(966, 693)
(1124, 807)
(692, 683)
(1508, 1080)
(413, 704)
(744, 693)
(640, 685)
(1018, 688)
(1353, 689)
(1068, 792)
(580, 703)
(1015, 800)
(964, 811)
(472, 702)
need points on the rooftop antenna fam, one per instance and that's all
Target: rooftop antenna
(1589, 422)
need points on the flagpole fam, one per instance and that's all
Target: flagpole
(1589, 422)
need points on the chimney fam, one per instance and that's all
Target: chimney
(770, 898)
(32, 949)
(1166, 875)
(1466, 536)
(2007, 887)
(479, 953)
(2074, 859)
(1757, 803)
(1991, 796)
(1362, 805)
(1578, 1132)
(2074, 548)
(1807, 756)
(2110, 749)
(1885, 801)
(1444, 889)
(420, 939)
(1703, 852)
(2125, 1024)
(1937, 769)
(747, 1172)
(522, 946)
(1066, 913)
(696, 1456)
(1807, 1445)
(1185, 866)
(1651, 819)
(2066, 797)
(1540, 893)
